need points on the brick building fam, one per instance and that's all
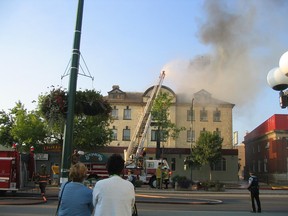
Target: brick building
(266, 149)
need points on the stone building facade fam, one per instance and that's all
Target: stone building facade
(200, 112)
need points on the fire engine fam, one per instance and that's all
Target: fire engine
(135, 161)
(16, 170)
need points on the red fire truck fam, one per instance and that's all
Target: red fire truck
(16, 170)
(96, 164)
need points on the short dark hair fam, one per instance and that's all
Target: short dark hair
(115, 164)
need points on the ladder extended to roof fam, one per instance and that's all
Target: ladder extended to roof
(136, 145)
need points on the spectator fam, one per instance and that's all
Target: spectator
(75, 199)
(114, 196)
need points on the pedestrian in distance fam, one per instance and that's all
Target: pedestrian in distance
(42, 178)
(114, 196)
(75, 157)
(75, 199)
(253, 187)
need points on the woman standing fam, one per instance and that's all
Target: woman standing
(74, 197)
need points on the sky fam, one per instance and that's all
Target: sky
(225, 47)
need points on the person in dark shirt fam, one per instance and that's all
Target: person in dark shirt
(253, 187)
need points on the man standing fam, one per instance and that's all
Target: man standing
(114, 196)
(253, 187)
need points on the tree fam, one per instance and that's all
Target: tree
(208, 149)
(28, 128)
(6, 122)
(91, 132)
(160, 119)
(22, 127)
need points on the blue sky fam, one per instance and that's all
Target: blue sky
(129, 42)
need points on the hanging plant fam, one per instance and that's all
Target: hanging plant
(92, 103)
(89, 102)
(54, 105)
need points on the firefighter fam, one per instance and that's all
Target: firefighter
(166, 177)
(42, 179)
(159, 175)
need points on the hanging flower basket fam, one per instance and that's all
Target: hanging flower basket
(54, 105)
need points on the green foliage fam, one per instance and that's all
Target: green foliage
(182, 181)
(46, 124)
(161, 117)
(22, 127)
(208, 148)
(213, 185)
(6, 123)
(91, 132)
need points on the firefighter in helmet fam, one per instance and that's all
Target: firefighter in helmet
(42, 179)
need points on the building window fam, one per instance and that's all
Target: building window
(126, 134)
(219, 165)
(203, 115)
(173, 164)
(190, 115)
(114, 135)
(217, 116)
(127, 113)
(190, 135)
(217, 131)
(259, 166)
(114, 113)
(154, 135)
(265, 165)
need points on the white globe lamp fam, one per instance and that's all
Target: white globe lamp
(283, 63)
(277, 80)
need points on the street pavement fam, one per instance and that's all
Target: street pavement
(32, 197)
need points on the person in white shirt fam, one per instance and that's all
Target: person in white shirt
(114, 196)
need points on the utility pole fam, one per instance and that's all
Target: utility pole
(191, 140)
(68, 131)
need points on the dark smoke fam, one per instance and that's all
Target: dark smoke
(243, 37)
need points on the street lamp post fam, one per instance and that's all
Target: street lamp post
(191, 138)
(277, 79)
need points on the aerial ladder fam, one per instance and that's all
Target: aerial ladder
(136, 145)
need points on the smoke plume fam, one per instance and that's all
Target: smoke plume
(243, 41)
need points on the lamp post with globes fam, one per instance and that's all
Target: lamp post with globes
(277, 79)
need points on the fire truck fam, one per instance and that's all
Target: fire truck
(16, 170)
(135, 161)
